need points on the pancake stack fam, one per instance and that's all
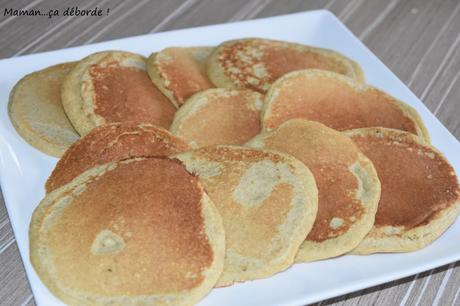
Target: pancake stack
(202, 167)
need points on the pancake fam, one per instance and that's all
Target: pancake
(180, 72)
(124, 234)
(113, 142)
(256, 63)
(36, 111)
(219, 116)
(268, 203)
(338, 102)
(113, 86)
(348, 186)
(420, 192)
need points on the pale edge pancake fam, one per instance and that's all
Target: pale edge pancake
(200, 100)
(59, 198)
(272, 94)
(369, 190)
(77, 92)
(415, 238)
(199, 54)
(52, 136)
(292, 232)
(217, 74)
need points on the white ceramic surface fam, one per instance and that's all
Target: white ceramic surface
(23, 170)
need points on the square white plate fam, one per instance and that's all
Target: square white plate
(24, 170)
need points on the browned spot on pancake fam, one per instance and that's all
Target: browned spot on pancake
(154, 206)
(416, 181)
(241, 59)
(328, 155)
(183, 75)
(111, 142)
(224, 119)
(127, 94)
(336, 104)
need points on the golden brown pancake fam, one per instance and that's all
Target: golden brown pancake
(268, 203)
(113, 86)
(420, 192)
(124, 234)
(180, 72)
(256, 63)
(348, 187)
(113, 142)
(36, 111)
(338, 102)
(219, 116)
